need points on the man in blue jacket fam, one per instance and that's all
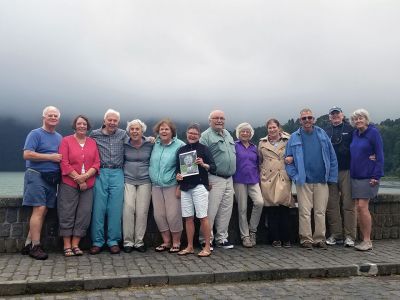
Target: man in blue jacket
(313, 166)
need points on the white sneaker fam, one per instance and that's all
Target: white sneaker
(225, 244)
(331, 241)
(348, 242)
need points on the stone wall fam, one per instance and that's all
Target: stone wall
(14, 225)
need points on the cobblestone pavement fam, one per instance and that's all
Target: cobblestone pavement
(387, 287)
(21, 274)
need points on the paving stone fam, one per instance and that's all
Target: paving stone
(236, 265)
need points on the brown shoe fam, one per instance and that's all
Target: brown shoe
(37, 252)
(321, 245)
(95, 250)
(26, 249)
(115, 249)
(307, 245)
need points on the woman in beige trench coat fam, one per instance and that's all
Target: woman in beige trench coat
(275, 184)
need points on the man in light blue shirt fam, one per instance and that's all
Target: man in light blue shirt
(42, 162)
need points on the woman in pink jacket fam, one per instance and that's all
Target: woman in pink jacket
(79, 165)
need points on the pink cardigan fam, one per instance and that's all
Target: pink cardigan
(73, 156)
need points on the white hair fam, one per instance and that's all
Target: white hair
(242, 126)
(360, 113)
(136, 121)
(214, 111)
(47, 108)
(111, 111)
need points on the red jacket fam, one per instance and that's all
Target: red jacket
(73, 156)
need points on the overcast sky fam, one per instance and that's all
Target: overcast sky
(182, 59)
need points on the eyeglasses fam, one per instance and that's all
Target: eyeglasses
(309, 118)
(218, 118)
(193, 133)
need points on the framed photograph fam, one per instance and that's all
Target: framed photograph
(187, 163)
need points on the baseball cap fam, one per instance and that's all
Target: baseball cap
(335, 108)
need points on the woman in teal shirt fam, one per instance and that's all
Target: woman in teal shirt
(167, 207)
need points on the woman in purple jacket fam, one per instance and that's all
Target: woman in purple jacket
(246, 183)
(366, 169)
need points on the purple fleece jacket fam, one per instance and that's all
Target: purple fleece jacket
(361, 148)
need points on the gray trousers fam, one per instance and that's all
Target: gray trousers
(341, 204)
(242, 192)
(136, 208)
(220, 203)
(74, 208)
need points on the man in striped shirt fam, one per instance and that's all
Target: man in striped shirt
(109, 186)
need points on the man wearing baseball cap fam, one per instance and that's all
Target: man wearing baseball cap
(340, 133)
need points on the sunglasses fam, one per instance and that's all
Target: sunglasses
(309, 118)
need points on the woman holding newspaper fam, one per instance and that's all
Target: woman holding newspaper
(194, 161)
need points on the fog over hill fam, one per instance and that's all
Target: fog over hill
(149, 59)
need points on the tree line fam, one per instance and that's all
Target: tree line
(389, 129)
(13, 134)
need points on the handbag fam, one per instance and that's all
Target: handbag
(52, 178)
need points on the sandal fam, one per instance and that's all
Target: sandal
(174, 249)
(162, 248)
(77, 251)
(68, 252)
(204, 253)
(185, 252)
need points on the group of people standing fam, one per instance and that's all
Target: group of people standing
(106, 180)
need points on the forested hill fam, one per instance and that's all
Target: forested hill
(13, 134)
(389, 129)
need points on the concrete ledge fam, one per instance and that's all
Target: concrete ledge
(13, 288)
(342, 271)
(231, 276)
(10, 288)
(54, 286)
(10, 202)
(285, 273)
(148, 280)
(254, 275)
(106, 282)
(191, 278)
(385, 269)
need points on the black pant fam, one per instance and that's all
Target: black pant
(279, 223)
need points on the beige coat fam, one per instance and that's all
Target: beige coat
(276, 187)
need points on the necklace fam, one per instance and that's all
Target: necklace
(274, 141)
(80, 139)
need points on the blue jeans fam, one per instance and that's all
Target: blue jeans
(108, 200)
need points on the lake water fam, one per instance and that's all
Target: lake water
(11, 184)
